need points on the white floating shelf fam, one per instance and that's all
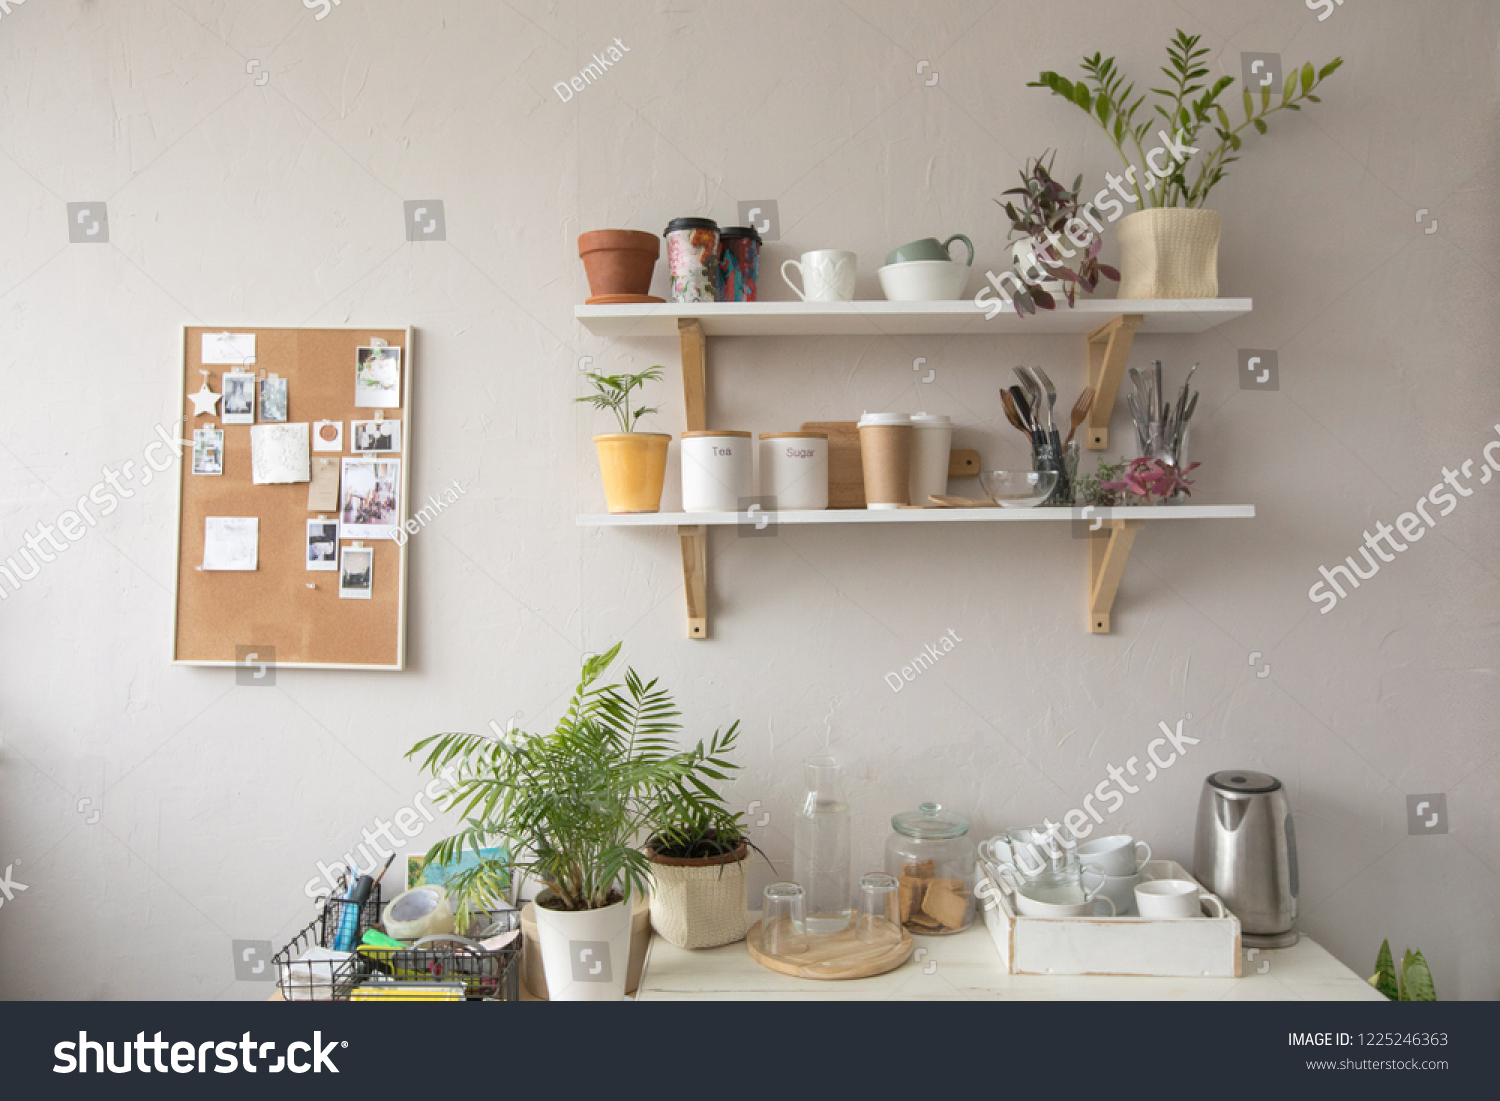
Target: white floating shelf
(920, 516)
(880, 318)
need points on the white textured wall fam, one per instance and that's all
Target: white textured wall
(232, 203)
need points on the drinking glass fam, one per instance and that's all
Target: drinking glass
(879, 917)
(783, 924)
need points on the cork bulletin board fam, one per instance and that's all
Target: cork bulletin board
(281, 607)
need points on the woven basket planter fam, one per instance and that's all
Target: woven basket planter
(700, 902)
(1169, 252)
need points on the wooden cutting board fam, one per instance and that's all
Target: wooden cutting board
(846, 472)
(835, 956)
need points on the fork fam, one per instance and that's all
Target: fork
(1081, 409)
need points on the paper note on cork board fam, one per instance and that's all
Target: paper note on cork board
(323, 494)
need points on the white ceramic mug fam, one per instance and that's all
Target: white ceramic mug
(827, 275)
(1174, 898)
(1120, 889)
(1118, 855)
(717, 471)
(1027, 906)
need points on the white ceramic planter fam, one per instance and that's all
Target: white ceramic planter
(1030, 267)
(1169, 252)
(794, 469)
(717, 471)
(585, 953)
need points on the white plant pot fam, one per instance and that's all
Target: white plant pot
(585, 953)
(1030, 267)
(1169, 252)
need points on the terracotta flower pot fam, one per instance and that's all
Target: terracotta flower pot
(634, 466)
(1169, 252)
(619, 263)
(699, 902)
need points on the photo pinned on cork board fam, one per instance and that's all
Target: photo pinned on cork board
(328, 436)
(370, 499)
(208, 450)
(377, 378)
(356, 572)
(323, 545)
(273, 399)
(237, 391)
(381, 435)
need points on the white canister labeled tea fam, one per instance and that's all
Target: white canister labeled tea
(717, 472)
(794, 469)
(932, 443)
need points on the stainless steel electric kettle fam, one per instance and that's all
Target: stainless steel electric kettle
(1245, 851)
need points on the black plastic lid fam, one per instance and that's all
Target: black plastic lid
(1247, 783)
(689, 223)
(740, 231)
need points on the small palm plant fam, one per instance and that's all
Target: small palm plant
(574, 805)
(612, 392)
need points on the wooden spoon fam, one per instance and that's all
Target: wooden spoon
(1081, 409)
(1012, 414)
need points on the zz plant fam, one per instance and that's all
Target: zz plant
(1105, 97)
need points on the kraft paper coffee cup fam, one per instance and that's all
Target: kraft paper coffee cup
(885, 446)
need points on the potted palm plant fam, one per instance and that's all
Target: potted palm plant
(572, 808)
(699, 856)
(633, 464)
(1169, 248)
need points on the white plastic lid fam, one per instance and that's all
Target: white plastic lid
(931, 420)
(884, 418)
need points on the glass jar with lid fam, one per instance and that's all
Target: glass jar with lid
(929, 853)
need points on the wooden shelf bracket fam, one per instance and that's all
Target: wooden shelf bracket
(694, 536)
(1109, 549)
(1109, 349)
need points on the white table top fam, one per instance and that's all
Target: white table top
(966, 967)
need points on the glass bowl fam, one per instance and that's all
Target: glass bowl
(1018, 488)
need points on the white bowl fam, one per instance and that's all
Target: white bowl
(924, 281)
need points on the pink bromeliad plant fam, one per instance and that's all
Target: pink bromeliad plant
(1148, 478)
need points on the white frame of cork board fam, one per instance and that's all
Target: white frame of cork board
(407, 411)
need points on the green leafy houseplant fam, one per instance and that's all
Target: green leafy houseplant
(612, 392)
(575, 804)
(1093, 489)
(1415, 980)
(1047, 208)
(1106, 97)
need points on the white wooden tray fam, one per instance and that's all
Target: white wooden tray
(1203, 946)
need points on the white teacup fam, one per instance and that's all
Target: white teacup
(1118, 855)
(1030, 907)
(827, 275)
(1174, 898)
(1120, 889)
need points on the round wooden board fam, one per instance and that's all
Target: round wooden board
(837, 956)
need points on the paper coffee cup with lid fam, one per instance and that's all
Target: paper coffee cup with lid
(885, 448)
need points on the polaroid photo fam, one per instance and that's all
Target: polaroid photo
(376, 435)
(377, 378)
(238, 390)
(369, 499)
(323, 545)
(328, 436)
(228, 349)
(231, 542)
(356, 569)
(208, 451)
(273, 399)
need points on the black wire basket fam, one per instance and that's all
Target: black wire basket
(322, 981)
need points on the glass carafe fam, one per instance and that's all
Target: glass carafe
(821, 863)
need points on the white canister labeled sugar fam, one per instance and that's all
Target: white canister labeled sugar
(717, 472)
(794, 469)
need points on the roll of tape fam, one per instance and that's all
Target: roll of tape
(421, 912)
